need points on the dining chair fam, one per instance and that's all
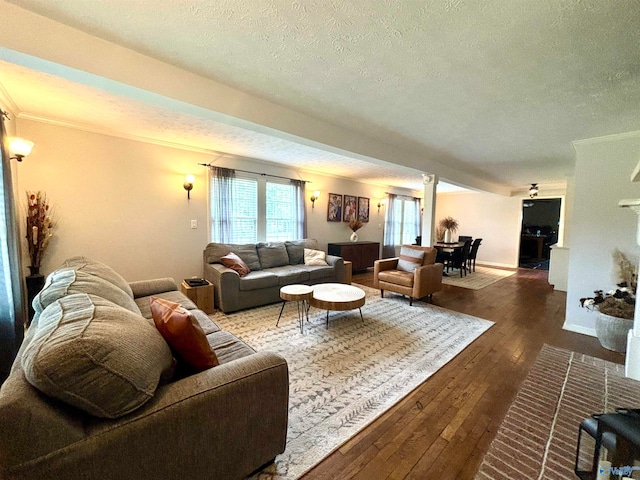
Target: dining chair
(464, 238)
(471, 261)
(459, 258)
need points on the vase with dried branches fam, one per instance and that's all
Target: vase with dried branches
(355, 225)
(450, 226)
(39, 228)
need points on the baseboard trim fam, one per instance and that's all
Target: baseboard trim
(495, 264)
(580, 329)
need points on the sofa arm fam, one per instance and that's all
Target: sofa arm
(145, 288)
(224, 422)
(427, 280)
(226, 283)
(381, 266)
(338, 265)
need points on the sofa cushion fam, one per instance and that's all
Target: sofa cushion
(295, 249)
(247, 252)
(410, 259)
(290, 274)
(228, 347)
(320, 272)
(95, 355)
(396, 277)
(234, 262)
(315, 257)
(183, 334)
(258, 280)
(67, 281)
(98, 269)
(272, 254)
(173, 296)
(207, 325)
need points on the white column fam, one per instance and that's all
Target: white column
(632, 360)
(430, 182)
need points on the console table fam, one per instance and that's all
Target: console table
(361, 254)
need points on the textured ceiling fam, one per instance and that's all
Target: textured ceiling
(497, 88)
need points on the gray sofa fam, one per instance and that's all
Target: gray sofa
(272, 265)
(224, 422)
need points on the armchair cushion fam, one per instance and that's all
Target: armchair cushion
(397, 277)
(410, 259)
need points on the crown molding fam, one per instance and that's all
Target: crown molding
(607, 138)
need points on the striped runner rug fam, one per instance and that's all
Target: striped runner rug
(537, 438)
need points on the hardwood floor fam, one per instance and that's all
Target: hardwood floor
(443, 428)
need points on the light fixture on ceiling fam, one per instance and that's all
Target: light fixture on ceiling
(381, 203)
(314, 197)
(533, 190)
(188, 185)
(20, 148)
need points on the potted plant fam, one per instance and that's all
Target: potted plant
(616, 308)
(450, 226)
(355, 225)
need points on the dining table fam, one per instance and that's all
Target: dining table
(448, 249)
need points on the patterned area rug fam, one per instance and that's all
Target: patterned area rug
(538, 437)
(344, 377)
(482, 277)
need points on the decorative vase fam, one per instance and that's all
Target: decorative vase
(448, 236)
(35, 283)
(354, 237)
(34, 270)
(612, 331)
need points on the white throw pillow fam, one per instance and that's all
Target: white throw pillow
(410, 259)
(315, 257)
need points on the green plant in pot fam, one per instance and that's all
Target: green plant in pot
(616, 308)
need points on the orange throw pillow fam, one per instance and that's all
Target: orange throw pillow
(183, 333)
(234, 262)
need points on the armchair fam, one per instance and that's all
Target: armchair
(422, 282)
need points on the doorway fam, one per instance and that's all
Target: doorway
(540, 225)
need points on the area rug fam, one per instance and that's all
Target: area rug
(481, 278)
(345, 376)
(538, 437)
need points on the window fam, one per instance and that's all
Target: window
(402, 223)
(257, 210)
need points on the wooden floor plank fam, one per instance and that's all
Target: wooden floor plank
(443, 428)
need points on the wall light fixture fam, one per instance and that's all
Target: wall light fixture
(315, 196)
(188, 185)
(381, 203)
(20, 148)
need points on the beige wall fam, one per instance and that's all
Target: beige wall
(122, 202)
(494, 218)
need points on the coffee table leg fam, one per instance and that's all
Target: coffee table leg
(327, 318)
(283, 303)
(361, 317)
(301, 316)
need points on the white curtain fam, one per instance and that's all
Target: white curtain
(12, 307)
(300, 216)
(222, 204)
(390, 228)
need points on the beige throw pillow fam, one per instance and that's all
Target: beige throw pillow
(315, 257)
(410, 259)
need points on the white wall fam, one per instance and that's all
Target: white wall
(598, 226)
(122, 202)
(494, 218)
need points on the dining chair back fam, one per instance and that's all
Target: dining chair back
(471, 261)
(464, 238)
(459, 258)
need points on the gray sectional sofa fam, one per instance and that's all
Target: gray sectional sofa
(93, 348)
(272, 265)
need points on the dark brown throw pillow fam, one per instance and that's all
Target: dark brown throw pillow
(183, 333)
(234, 262)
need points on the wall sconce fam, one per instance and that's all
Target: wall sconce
(533, 190)
(188, 185)
(314, 197)
(381, 203)
(20, 148)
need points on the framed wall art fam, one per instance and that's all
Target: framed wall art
(334, 209)
(350, 208)
(363, 209)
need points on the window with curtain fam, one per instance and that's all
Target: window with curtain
(256, 209)
(12, 314)
(402, 223)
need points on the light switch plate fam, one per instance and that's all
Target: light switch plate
(194, 223)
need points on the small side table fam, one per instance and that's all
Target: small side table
(348, 272)
(299, 294)
(201, 295)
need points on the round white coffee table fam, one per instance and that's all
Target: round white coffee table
(337, 297)
(298, 294)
